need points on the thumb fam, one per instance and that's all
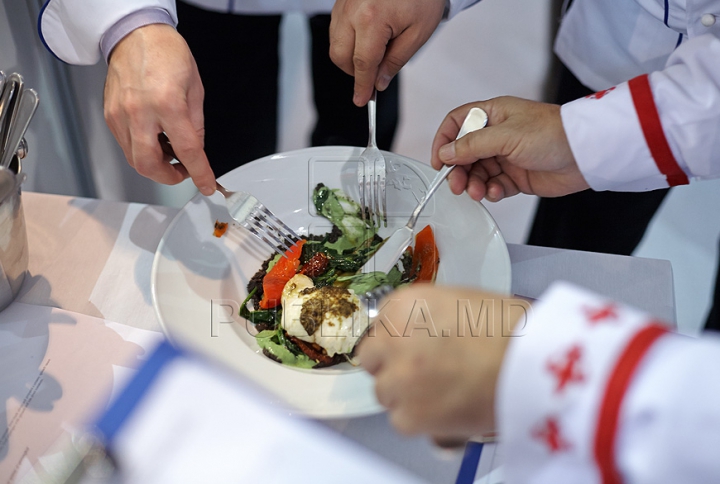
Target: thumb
(478, 145)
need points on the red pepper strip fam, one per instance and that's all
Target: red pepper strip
(283, 270)
(220, 228)
(426, 258)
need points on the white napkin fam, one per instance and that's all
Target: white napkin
(122, 292)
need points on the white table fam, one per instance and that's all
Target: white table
(94, 258)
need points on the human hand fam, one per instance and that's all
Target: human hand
(153, 86)
(434, 373)
(373, 39)
(523, 149)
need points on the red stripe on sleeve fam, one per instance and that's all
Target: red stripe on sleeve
(614, 393)
(654, 134)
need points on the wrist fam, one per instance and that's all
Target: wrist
(149, 17)
(141, 39)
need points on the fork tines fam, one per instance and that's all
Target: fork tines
(270, 229)
(379, 178)
(371, 183)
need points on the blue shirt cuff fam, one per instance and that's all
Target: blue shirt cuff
(127, 24)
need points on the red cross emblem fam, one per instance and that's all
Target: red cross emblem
(602, 314)
(600, 94)
(566, 370)
(549, 433)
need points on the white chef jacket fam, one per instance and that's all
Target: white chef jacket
(73, 29)
(592, 391)
(659, 129)
(265, 7)
(662, 128)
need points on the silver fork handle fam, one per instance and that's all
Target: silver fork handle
(221, 189)
(372, 117)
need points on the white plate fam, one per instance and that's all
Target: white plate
(199, 280)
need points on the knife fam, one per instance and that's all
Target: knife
(392, 249)
(24, 109)
(7, 106)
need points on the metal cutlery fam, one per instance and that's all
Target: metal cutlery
(17, 107)
(10, 92)
(23, 111)
(371, 174)
(249, 213)
(392, 249)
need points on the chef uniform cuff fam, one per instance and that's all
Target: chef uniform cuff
(133, 21)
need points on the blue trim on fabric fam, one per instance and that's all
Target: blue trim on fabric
(40, 34)
(667, 13)
(231, 6)
(680, 39)
(125, 403)
(470, 461)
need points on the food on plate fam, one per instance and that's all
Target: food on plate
(425, 260)
(306, 307)
(220, 228)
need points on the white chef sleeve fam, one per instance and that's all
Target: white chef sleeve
(72, 29)
(593, 391)
(656, 130)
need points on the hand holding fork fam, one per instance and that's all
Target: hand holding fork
(371, 175)
(248, 212)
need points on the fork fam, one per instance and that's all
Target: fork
(394, 246)
(247, 211)
(371, 174)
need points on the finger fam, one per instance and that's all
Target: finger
(447, 132)
(485, 143)
(148, 160)
(404, 423)
(342, 39)
(370, 42)
(188, 147)
(501, 186)
(477, 181)
(398, 52)
(195, 97)
(458, 179)
(386, 391)
(123, 139)
(371, 354)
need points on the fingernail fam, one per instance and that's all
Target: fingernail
(495, 193)
(356, 99)
(207, 191)
(383, 82)
(447, 152)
